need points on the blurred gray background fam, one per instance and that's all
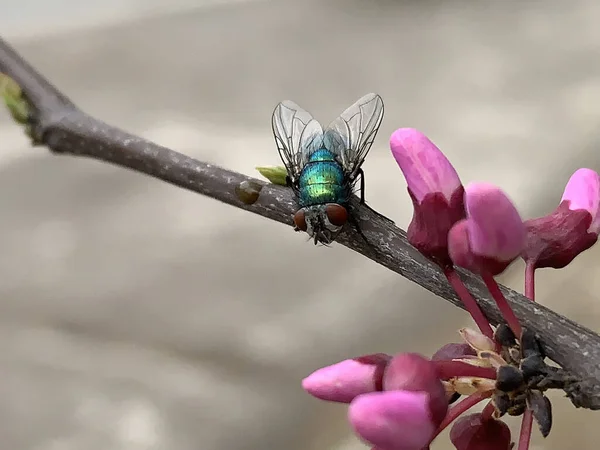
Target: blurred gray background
(138, 316)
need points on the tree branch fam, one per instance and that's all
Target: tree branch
(58, 124)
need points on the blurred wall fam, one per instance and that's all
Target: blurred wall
(135, 315)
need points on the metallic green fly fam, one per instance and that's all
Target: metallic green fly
(323, 166)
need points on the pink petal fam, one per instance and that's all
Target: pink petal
(396, 420)
(424, 166)
(583, 192)
(495, 227)
(459, 247)
(415, 373)
(343, 381)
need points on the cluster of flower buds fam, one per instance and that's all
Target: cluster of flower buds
(403, 402)
(478, 227)
(395, 403)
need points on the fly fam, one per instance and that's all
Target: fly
(323, 167)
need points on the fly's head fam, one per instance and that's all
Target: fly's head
(321, 222)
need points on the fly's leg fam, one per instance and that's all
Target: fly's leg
(289, 183)
(387, 219)
(362, 185)
(357, 227)
(362, 197)
(352, 219)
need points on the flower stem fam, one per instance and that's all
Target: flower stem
(449, 369)
(526, 425)
(472, 307)
(530, 281)
(488, 411)
(460, 408)
(527, 421)
(503, 306)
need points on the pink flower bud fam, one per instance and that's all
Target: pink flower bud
(343, 381)
(396, 420)
(435, 190)
(472, 432)
(492, 236)
(413, 372)
(583, 192)
(556, 239)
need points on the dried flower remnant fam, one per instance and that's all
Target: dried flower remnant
(521, 378)
(477, 341)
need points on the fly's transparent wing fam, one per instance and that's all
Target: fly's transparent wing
(297, 136)
(351, 135)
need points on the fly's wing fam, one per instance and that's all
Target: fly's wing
(351, 135)
(297, 136)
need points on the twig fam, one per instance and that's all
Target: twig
(58, 124)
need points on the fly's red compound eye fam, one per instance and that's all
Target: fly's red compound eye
(300, 220)
(337, 214)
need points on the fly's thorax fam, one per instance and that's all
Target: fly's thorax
(319, 194)
(322, 182)
(322, 222)
(321, 155)
(321, 172)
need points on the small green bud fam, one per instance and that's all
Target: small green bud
(14, 100)
(275, 174)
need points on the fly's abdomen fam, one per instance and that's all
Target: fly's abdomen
(322, 181)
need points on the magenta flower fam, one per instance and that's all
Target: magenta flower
(343, 381)
(583, 192)
(492, 236)
(398, 420)
(556, 239)
(403, 403)
(413, 372)
(488, 240)
(435, 189)
(405, 416)
(438, 200)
